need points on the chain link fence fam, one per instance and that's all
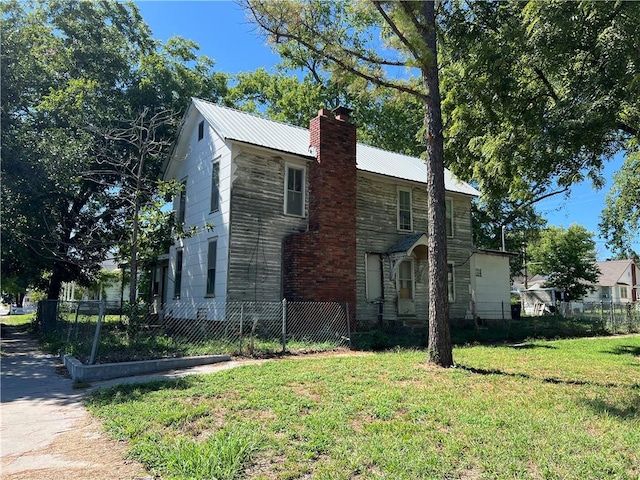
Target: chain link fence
(499, 321)
(182, 329)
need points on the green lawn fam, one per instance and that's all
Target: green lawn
(24, 319)
(567, 409)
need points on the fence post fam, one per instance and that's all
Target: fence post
(284, 325)
(96, 337)
(348, 323)
(241, 327)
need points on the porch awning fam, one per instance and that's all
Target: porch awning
(414, 245)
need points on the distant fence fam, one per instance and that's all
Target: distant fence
(85, 330)
(500, 321)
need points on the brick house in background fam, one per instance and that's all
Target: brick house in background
(306, 215)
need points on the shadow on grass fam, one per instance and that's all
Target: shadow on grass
(633, 350)
(552, 380)
(531, 346)
(124, 393)
(626, 412)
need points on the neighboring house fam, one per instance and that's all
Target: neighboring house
(111, 291)
(306, 215)
(619, 282)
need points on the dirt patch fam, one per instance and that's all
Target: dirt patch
(82, 453)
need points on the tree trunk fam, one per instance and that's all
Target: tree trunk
(439, 343)
(55, 282)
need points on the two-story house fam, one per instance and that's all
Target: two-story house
(307, 214)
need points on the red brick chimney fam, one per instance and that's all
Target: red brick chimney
(320, 264)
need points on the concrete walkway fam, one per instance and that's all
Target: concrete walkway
(39, 404)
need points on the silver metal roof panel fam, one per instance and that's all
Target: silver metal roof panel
(245, 127)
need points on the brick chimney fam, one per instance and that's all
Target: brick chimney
(320, 264)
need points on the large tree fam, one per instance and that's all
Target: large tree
(620, 220)
(567, 257)
(372, 42)
(72, 72)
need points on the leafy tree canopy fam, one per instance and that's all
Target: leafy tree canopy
(567, 257)
(72, 72)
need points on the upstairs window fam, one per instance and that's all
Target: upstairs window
(449, 217)
(201, 130)
(294, 191)
(405, 222)
(215, 187)
(182, 201)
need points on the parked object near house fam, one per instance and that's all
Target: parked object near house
(306, 215)
(541, 301)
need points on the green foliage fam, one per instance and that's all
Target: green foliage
(567, 258)
(76, 75)
(515, 77)
(620, 220)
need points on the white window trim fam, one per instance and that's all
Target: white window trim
(182, 194)
(216, 161)
(408, 190)
(302, 168)
(449, 201)
(206, 282)
(177, 292)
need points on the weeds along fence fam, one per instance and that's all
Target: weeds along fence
(84, 330)
(500, 321)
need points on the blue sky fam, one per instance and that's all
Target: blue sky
(224, 34)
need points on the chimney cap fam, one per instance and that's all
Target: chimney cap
(342, 113)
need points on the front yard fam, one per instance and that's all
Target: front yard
(560, 409)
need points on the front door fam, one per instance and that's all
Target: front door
(405, 285)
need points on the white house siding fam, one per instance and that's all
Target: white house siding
(377, 232)
(259, 225)
(490, 285)
(197, 169)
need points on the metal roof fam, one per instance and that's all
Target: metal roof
(244, 127)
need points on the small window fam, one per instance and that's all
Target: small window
(211, 267)
(374, 277)
(215, 187)
(623, 292)
(478, 272)
(405, 222)
(294, 191)
(177, 285)
(449, 217)
(451, 291)
(606, 292)
(182, 201)
(201, 130)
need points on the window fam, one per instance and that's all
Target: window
(606, 292)
(451, 291)
(404, 210)
(405, 280)
(478, 272)
(211, 268)
(374, 277)
(623, 292)
(449, 217)
(182, 201)
(215, 187)
(201, 130)
(294, 191)
(177, 285)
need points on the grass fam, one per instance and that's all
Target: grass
(565, 409)
(14, 320)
